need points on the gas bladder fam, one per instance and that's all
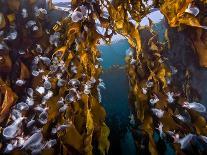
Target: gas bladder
(11, 131)
(34, 141)
(195, 106)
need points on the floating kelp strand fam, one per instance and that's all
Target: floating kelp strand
(195, 106)
(10, 131)
(99, 94)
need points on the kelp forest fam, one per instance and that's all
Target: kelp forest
(51, 85)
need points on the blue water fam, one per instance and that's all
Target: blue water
(114, 54)
(115, 98)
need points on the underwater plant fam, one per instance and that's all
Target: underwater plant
(50, 77)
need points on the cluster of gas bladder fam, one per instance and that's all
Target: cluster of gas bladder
(160, 107)
(30, 114)
(13, 133)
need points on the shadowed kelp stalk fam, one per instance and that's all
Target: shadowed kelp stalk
(164, 115)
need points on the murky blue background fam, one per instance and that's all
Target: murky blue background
(115, 97)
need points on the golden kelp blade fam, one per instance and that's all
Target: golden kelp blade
(9, 100)
(174, 11)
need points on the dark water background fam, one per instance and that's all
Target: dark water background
(115, 97)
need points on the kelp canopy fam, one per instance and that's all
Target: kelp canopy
(50, 85)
